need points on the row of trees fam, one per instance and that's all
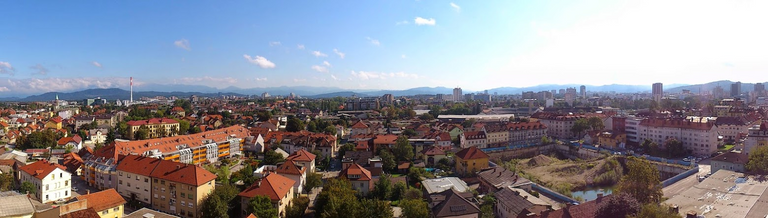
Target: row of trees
(638, 194)
(338, 199)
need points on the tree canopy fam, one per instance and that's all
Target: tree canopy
(414, 208)
(261, 206)
(758, 160)
(641, 182)
(617, 205)
(403, 150)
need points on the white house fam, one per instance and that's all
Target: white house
(98, 136)
(295, 172)
(52, 181)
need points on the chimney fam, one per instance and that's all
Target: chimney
(178, 167)
(87, 192)
(691, 214)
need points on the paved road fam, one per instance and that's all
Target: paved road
(688, 182)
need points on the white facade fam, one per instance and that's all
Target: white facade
(130, 184)
(54, 186)
(631, 125)
(701, 142)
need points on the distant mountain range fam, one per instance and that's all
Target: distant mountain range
(152, 90)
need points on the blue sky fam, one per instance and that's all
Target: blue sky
(63, 46)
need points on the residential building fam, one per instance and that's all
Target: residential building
(278, 188)
(303, 158)
(295, 172)
(525, 133)
(732, 129)
(99, 168)
(51, 180)
(697, 135)
(454, 205)
(612, 139)
(583, 91)
(83, 120)
(433, 155)
(75, 142)
(758, 136)
(438, 185)
(361, 178)
(496, 178)
(475, 139)
(54, 123)
(631, 124)
(497, 134)
(657, 91)
(470, 160)
(512, 202)
(731, 161)
(107, 203)
(179, 188)
(17, 205)
(157, 127)
(457, 96)
(148, 213)
(360, 128)
(98, 136)
(133, 176)
(559, 125)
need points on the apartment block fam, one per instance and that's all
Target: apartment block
(51, 180)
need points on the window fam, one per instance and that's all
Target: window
(61, 175)
(162, 182)
(66, 183)
(155, 180)
(129, 176)
(129, 184)
(183, 195)
(120, 173)
(116, 209)
(46, 197)
(104, 212)
(146, 180)
(120, 182)
(190, 204)
(66, 193)
(46, 187)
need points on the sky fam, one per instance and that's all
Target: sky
(71, 45)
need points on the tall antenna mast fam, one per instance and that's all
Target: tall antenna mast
(131, 89)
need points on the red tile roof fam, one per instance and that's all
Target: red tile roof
(359, 125)
(182, 173)
(168, 144)
(274, 186)
(76, 139)
(474, 135)
(72, 162)
(302, 155)
(356, 169)
(525, 125)
(434, 150)
(138, 164)
(40, 169)
(290, 168)
(677, 123)
(87, 213)
(103, 200)
(388, 139)
(471, 153)
(151, 121)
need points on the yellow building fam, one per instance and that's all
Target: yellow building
(612, 139)
(54, 123)
(470, 160)
(107, 203)
(179, 188)
(158, 127)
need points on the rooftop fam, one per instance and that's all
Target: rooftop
(724, 193)
(441, 184)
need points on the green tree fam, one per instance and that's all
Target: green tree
(183, 127)
(346, 147)
(596, 123)
(374, 209)
(313, 180)
(142, 133)
(579, 126)
(162, 132)
(261, 206)
(675, 148)
(337, 200)
(617, 205)
(656, 211)
(409, 132)
(486, 208)
(297, 207)
(641, 182)
(426, 117)
(6, 182)
(758, 160)
(387, 160)
(415, 174)
(330, 130)
(195, 129)
(28, 187)
(264, 115)
(382, 189)
(294, 125)
(214, 207)
(398, 191)
(403, 150)
(110, 136)
(271, 157)
(414, 208)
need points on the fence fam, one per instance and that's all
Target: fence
(559, 197)
(680, 176)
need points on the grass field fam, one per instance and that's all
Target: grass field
(726, 148)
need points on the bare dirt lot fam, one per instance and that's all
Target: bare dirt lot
(568, 175)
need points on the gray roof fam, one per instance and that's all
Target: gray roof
(156, 214)
(16, 205)
(441, 184)
(512, 200)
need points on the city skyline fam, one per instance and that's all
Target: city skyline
(379, 46)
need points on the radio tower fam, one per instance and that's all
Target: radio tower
(131, 89)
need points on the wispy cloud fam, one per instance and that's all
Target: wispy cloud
(373, 41)
(320, 69)
(456, 7)
(299, 80)
(300, 46)
(274, 43)
(6, 68)
(259, 60)
(403, 56)
(97, 64)
(326, 63)
(334, 77)
(423, 21)
(405, 22)
(366, 75)
(41, 85)
(183, 43)
(319, 54)
(261, 79)
(39, 69)
(339, 53)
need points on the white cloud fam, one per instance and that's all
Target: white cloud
(405, 22)
(423, 21)
(340, 54)
(6, 68)
(320, 69)
(39, 69)
(326, 63)
(274, 43)
(403, 56)
(366, 75)
(261, 79)
(97, 64)
(4, 89)
(334, 77)
(30, 86)
(300, 46)
(455, 7)
(299, 80)
(259, 60)
(373, 41)
(319, 54)
(183, 43)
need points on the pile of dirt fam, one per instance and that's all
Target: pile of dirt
(539, 160)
